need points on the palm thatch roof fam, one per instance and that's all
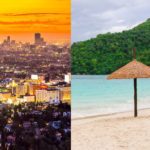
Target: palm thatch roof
(133, 69)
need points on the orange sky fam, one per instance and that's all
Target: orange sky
(21, 19)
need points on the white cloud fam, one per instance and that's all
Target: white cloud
(92, 17)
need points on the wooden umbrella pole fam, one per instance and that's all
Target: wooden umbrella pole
(134, 53)
(135, 97)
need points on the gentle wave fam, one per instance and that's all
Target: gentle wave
(97, 96)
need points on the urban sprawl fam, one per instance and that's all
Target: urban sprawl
(34, 95)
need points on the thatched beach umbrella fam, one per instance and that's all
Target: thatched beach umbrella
(132, 70)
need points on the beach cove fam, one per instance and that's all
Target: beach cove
(103, 115)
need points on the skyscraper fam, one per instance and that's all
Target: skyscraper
(8, 39)
(37, 38)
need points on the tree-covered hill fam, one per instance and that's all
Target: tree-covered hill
(107, 52)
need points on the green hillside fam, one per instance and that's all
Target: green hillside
(107, 52)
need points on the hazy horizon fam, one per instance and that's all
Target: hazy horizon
(29, 37)
(22, 18)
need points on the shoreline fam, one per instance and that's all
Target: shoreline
(119, 131)
(106, 115)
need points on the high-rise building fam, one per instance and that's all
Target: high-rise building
(65, 94)
(8, 39)
(38, 39)
(42, 95)
(67, 78)
(46, 95)
(21, 90)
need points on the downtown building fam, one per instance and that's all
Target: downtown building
(46, 95)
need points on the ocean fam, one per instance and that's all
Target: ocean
(95, 95)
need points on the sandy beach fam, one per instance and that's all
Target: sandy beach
(112, 132)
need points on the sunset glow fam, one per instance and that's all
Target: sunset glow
(21, 19)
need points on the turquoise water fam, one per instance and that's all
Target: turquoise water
(95, 95)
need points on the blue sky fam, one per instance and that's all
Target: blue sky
(92, 17)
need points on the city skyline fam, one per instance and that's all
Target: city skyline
(30, 38)
(51, 18)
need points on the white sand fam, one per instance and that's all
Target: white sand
(115, 132)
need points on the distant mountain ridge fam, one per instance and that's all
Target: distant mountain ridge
(107, 52)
